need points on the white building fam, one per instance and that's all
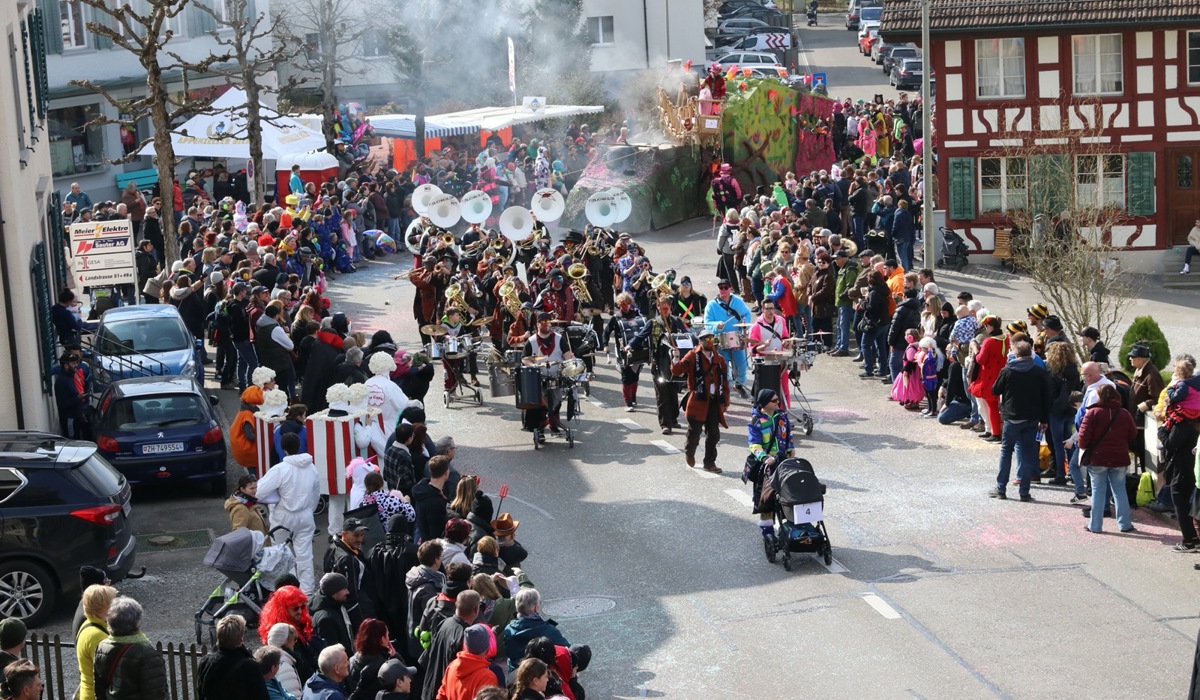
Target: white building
(633, 35)
(32, 263)
(82, 154)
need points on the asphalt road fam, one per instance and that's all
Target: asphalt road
(936, 590)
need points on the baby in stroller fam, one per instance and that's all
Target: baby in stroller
(795, 497)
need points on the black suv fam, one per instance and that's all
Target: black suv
(61, 507)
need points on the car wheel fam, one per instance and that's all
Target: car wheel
(27, 592)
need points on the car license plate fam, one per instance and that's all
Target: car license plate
(162, 448)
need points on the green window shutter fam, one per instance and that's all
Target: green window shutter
(51, 22)
(962, 189)
(58, 241)
(1140, 191)
(42, 304)
(27, 51)
(200, 22)
(1051, 178)
(37, 36)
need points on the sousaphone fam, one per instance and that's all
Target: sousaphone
(548, 204)
(476, 206)
(422, 196)
(444, 211)
(515, 223)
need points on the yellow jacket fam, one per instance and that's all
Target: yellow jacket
(90, 635)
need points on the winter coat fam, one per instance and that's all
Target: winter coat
(139, 674)
(243, 514)
(845, 282)
(320, 687)
(443, 649)
(907, 315)
(191, 309)
(364, 676)
(359, 604)
(465, 676)
(1025, 391)
(876, 306)
(713, 371)
(398, 468)
(423, 584)
(270, 352)
(318, 376)
(287, 675)
(430, 503)
(990, 359)
(331, 620)
(1063, 384)
(1106, 432)
(230, 674)
(822, 291)
(87, 640)
(388, 562)
(524, 630)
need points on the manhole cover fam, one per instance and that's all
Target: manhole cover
(579, 607)
(186, 539)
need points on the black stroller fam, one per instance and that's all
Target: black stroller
(250, 571)
(799, 504)
(954, 250)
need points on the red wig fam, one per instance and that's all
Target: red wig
(276, 611)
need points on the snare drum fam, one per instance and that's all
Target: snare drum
(573, 369)
(453, 345)
(732, 340)
(529, 387)
(435, 350)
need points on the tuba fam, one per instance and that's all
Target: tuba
(577, 271)
(661, 285)
(454, 297)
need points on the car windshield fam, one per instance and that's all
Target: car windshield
(141, 412)
(871, 14)
(903, 52)
(142, 335)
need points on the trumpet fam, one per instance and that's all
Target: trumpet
(447, 238)
(577, 271)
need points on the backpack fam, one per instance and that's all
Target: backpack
(1125, 388)
(1145, 490)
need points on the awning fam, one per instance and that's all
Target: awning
(405, 126)
(497, 118)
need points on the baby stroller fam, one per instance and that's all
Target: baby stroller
(250, 571)
(799, 503)
(954, 250)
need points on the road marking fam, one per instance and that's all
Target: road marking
(701, 232)
(881, 606)
(665, 447)
(527, 503)
(836, 568)
(740, 496)
(701, 473)
(631, 424)
(802, 56)
(597, 404)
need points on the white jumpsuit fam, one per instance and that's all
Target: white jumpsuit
(296, 484)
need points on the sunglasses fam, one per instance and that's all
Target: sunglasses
(724, 286)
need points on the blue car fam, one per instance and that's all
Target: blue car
(141, 341)
(160, 429)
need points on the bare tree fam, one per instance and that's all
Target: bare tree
(145, 35)
(248, 39)
(327, 32)
(1063, 189)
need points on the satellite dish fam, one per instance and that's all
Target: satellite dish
(422, 196)
(548, 204)
(476, 206)
(624, 204)
(601, 209)
(444, 211)
(516, 223)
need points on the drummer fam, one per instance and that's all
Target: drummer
(664, 350)
(769, 340)
(557, 298)
(456, 327)
(624, 324)
(727, 316)
(689, 304)
(548, 346)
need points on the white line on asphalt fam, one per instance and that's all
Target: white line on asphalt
(835, 568)
(802, 56)
(527, 503)
(665, 447)
(740, 496)
(881, 606)
(701, 232)
(700, 472)
(631, 424)
(597, 404)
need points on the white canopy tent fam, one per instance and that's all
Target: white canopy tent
(497, 118)
(222, 134)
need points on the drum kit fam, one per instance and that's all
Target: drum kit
(795, 357)
(550, 383)
(443, 346)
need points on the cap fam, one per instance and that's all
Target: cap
(1052, 323)
(258, 289)
(393, 670)
(332, 583)
(12, 632)
(706, 333)
(685, 280)
(354, 525)
(476, 640)
(841, 253)
(543, 316)
(724, 284)
(239, 287)
(1089, 332)
(1038, 311)
(1139, 350)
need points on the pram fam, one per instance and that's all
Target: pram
(954, 250)
(798, 514)
(250, 571)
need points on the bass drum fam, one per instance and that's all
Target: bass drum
(529, 388)
(629, 329)
(501, 380)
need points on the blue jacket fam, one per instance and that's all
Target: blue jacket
(320, 687)
(524, 630)
(903, 227)
(718, 320)
(276, 691)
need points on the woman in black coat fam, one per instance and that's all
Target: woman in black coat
(821, 290)
(875, 327)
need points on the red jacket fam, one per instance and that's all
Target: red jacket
(465, 675)
(991, 359)
(1109, 443)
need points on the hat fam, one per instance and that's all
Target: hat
(354, 525)
(764, 397)
(1089, 332)
(257, 289)
(12, 632)
(1017, 327)
(1139, 350)
(216, 277)
(1052, 323)
(685, 280)
(706, 333)
(722, 283)
(253, 395)
(393, 670)
(1038, 311)
(476, 640)
(581, 656)
(332, 583)
(543, 316)
(842, 253)
(238, 288)
(931, 289)
(505, 525)
(866, 253)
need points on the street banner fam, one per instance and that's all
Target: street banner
(102, 253)
(512, 69)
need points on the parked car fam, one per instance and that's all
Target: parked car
(746, 59)
(854, 11)
(871, 15)
(738, 25)
(906, 74)
(769, 15)
(144, 340)
(878, 48)
(865, 28)
(62, 506)
(867, 42)
(157, 429)
(897, 54)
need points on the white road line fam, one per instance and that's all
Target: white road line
(597, 404)
(881, 606)
(836, 568)
(631, 424)
(700, 472)
(740, 496)
(701, 232)
(802, 56)
(527, 503)
(665, 447)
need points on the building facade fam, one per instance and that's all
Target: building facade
(32, 260)
(633, 35)
(1025, 88)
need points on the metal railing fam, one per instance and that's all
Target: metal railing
(127, 363)
(61, 678)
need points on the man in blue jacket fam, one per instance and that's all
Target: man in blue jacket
(904, 234)
(722, 316)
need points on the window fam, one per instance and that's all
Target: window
(11, 481)
(312, 46)
(1003, 184)
(14, 59)
(1000, 68)
(1193, 58)
(74, 146)
(1098, 64)
(375, 44)
(71, 12)
(600, 30)
(1100, 181)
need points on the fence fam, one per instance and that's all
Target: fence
(61, 678)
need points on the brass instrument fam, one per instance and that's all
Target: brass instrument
(454, 297)
(509, 298)
(661, 285)
(577, 271)
(447, 238)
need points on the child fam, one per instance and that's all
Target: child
(293, 422)
(929, 359)
(907, 389)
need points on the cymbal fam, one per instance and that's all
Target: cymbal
(775, 353)
(742, 325)
(436, 330)
(482, 321)
(559, 322)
